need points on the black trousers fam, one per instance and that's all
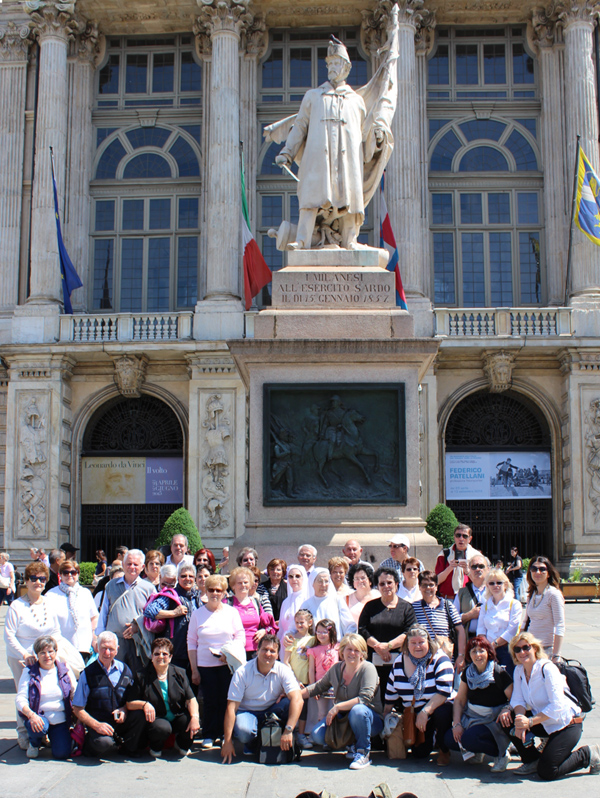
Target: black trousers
(161, 729)
(214, 684)
(558, 757)
(128, 734)
(438, 724)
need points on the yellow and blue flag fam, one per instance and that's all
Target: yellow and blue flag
(587, 202)
(69, 277)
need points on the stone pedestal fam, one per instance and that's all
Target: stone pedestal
(305, 484)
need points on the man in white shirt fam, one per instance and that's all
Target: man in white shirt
(179, 547)
(255, 692)
(469, 599)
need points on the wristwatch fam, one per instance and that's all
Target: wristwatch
(288, 728)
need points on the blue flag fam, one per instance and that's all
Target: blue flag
(69, 277)
(587, 204)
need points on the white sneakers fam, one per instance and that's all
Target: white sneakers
(500, 763)
(361, 760)
(32, 753)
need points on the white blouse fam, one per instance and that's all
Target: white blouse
(24, 623)
(544, 693)
(500, 620)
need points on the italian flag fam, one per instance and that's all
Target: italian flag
(256, 272)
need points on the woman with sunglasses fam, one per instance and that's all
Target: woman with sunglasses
(552, 715)
(28, 617)
(500, 616)
(167, 700)
(74, 608)
(212, 626)
(545, 610)
(409, 589)
(298, 592)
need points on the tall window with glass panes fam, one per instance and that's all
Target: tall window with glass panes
(485, 172)
(294, 63)
(146, 175)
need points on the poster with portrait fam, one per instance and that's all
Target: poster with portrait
(498, 475)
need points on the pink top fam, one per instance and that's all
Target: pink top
(253, 618)
(325, 657)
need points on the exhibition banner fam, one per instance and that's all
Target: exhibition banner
(498, 475)
(132, 480)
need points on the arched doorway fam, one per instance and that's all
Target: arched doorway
(499, 445)
(132, 474)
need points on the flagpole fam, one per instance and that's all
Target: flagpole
(575, 174)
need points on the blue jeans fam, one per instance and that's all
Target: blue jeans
(364, 722)
(59, 734)
(504, 658)
(518, 587)
(478, 739)
(246, 721)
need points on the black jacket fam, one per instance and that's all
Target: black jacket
(147, 688)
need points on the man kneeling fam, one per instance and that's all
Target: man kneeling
(99, 703)
(255, 692)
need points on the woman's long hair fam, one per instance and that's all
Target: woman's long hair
(553, 575)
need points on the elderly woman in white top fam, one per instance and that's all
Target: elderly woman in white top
(540, 686)
(326, 603)
(500, 616)
(74, 608)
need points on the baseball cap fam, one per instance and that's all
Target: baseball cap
(69, 548)
(400, 540)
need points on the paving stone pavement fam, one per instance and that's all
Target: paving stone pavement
(202, 773)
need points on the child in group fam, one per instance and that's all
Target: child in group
(296, 646)
(322, 655)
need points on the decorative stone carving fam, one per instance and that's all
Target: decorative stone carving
(544, 23)
(33, 465)
(14, 42)
(203, 40)
(255, 37)
(373, 31)
(216, 488)
(424, 34)
(130, 374)
(52, 19)
(224, 15)
(571, 12)
(592, 442)
(87, 42)
(409, 12)
(498, 367)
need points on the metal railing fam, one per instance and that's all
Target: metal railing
(502, 322)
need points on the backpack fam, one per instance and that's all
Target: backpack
(160, 626)
(578, 683)
(269, 742)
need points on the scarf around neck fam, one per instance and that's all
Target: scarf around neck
(478, 681)
(71, 594)
(458, 574)
(418, 678)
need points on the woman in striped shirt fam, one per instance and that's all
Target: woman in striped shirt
(545, 611)
(439, 616)
(422, 677)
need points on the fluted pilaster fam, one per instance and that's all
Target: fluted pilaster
(52, 23)
(548, 36)
(223, 21)
(14, 49)
(403, 186)
(79, 154)
(578, 19)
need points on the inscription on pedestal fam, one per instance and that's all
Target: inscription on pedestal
(293, 288)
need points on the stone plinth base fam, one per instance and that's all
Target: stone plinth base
(342, 324)
(217, 320)
(35, 323)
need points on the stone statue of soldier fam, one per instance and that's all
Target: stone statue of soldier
(342, 140)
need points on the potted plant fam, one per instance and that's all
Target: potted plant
(577, 586)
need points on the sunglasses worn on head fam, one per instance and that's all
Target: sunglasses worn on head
(539, 569)
(42, 579)
(526, 647)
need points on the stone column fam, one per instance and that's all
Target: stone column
(552, 137)
(578, 18)
(14, 48)
(76, 223)
(52, 26)
(204, 51)
(403, 171)
(220, 314)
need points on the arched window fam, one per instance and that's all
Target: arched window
(146, 186)
(485, 176)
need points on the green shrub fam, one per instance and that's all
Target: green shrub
(441, 523)
(526, 561)
(180, 523)
(86, 572)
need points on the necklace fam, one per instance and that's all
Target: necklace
(538, 598)
(44, 620)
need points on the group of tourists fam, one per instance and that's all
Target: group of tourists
(342, 657)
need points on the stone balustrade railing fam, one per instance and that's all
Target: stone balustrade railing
(502, 322)
(89, 328)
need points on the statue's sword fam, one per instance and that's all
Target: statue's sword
(288, 170)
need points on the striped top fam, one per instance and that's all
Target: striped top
(436, 617)
(439, 678)
(546, 615)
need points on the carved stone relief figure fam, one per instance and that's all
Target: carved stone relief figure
(33, 466)
(592, 442)
(215, 482)
(130, 374)
(498, 368)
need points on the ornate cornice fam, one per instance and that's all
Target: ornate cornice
(52, 19)
(576, 12)
(224, 15)
(14, 42)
